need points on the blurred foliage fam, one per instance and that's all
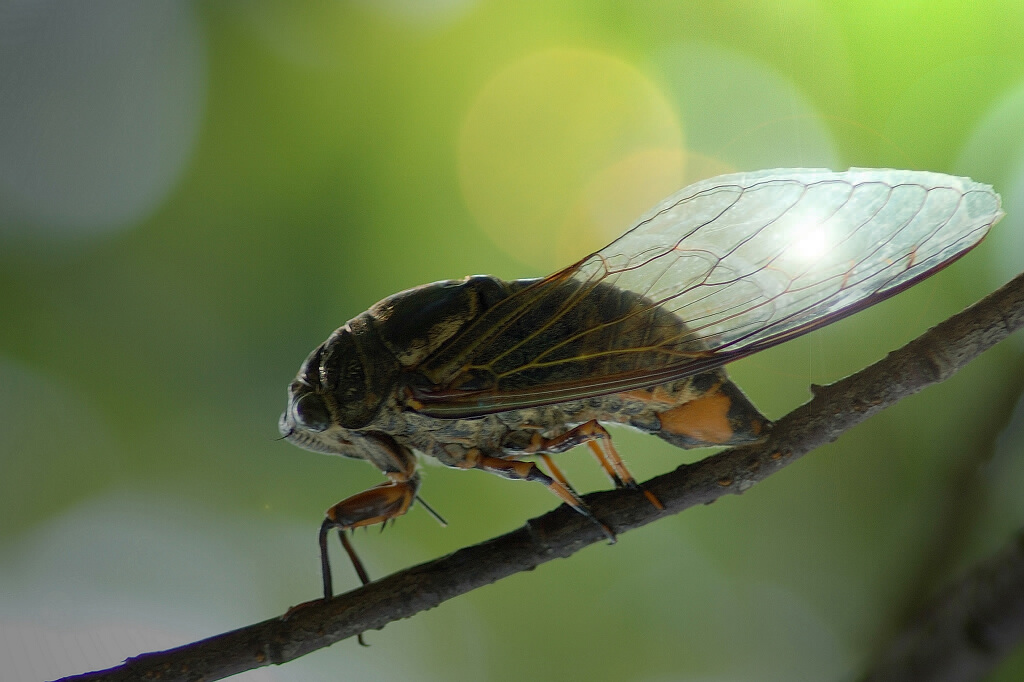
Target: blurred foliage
(192, 196)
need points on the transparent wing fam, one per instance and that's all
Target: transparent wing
(722, 269)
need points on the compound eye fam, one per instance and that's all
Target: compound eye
(311, 413)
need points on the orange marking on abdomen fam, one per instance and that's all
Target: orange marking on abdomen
(705, 419)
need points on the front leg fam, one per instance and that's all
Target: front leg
(379, 504)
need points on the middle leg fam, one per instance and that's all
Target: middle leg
(529, 471)
(599, 441)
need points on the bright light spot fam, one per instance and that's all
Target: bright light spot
(810, 244)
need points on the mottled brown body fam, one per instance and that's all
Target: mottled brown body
(358, 394)
(366, 370)
(509, 434)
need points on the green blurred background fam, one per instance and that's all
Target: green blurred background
(192, 196)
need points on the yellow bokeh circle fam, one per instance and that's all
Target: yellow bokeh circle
(561, 151)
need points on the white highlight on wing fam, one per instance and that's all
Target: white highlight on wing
(749, 259)
(810, 242)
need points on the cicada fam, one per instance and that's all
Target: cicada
(481, 373)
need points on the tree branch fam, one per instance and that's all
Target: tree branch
(967, 630)
(933, 357)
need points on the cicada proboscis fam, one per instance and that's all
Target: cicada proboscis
(495, 375)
